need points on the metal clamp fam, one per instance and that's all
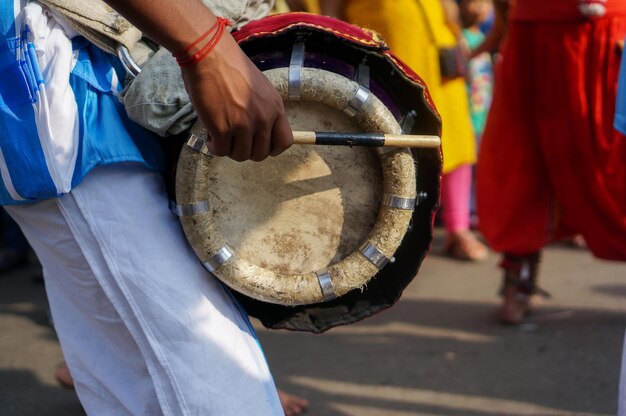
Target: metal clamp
(374, 255)
(397, 202)
(221, 257)
(363, 76)
(188, 210)
(326, 284)
(408, 121)
(295, 71)
(198, 144)
(357, 102)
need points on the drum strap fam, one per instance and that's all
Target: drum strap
(98, 22)
(108, 30)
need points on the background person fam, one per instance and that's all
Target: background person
(425, 33)
(550, 163)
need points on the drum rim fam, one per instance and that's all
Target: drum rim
(322, 285)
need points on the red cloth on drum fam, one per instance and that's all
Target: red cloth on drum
(550, 163)
(367, 39)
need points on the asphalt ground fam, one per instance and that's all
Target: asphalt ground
(439, 351)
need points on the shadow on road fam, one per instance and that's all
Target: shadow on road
(30, 397)
(445, 358)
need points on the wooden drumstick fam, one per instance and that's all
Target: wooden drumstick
(366, 139)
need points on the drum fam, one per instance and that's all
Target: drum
(318, 236)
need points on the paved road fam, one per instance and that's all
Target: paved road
(438, 352)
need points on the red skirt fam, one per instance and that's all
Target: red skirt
(550, 162)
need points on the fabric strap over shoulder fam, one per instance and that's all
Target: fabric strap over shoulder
(107, 29)
(98, 22)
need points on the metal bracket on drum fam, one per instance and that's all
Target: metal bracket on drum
(362, 94)
(393, 201)
(357, 102)
(221, 257)
(295, 71)
(198, 144)
(188, 210)
(326, 284)
(421, 197)
(363, 75)
(408, 121)
(374, 255)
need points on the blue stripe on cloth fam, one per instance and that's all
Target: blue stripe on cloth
(19, 138)
(106, 134)
(32, 55)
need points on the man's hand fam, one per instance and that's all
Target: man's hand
(242, 112)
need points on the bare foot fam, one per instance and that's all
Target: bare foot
(63, 376)
(292, 405)
(463, 245)
(576, 241)
(515, 306)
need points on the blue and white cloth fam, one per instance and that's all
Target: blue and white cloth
(59, 112)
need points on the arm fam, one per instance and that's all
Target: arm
(241, 110)
(495, 36)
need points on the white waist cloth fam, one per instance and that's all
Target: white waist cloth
(144, 328)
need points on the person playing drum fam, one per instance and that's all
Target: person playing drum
(142, 328)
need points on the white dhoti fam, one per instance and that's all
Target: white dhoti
(144, 328)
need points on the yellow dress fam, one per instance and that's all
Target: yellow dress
(312, 6)
(414, 30)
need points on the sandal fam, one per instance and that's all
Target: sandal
(463, 245)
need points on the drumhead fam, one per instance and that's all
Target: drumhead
(304, 210)
(311, 224)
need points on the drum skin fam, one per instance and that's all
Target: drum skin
(305, 209)
(295, 220)
(311, 208)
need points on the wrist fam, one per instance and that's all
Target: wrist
(202, 46)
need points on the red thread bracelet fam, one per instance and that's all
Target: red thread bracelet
(204, 35)
(219, 27)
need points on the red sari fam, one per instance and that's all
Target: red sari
(550, 162)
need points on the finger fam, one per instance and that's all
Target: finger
(262, 143)
(219, 144)
(241, 148)
(282, 137)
